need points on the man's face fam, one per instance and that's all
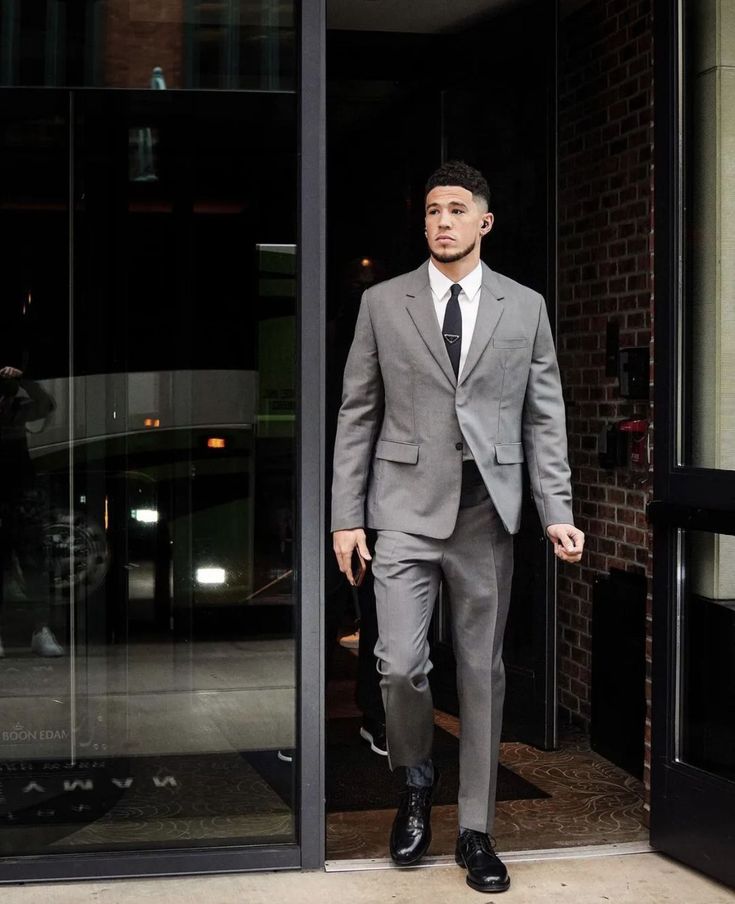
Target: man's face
(455, 222)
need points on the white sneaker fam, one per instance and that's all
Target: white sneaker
(43, 643)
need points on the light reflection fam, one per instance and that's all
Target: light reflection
(145, 516)
(211, 575)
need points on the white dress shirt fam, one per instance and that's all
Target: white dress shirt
(469, 303)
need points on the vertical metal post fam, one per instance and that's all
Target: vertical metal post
(312, 327)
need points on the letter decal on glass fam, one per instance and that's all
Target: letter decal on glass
(80, 784)
(167, 780)
(33, 786)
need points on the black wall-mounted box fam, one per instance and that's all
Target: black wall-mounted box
(634, 372)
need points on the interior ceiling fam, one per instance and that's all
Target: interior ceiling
(424, 17)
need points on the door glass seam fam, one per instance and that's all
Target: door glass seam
(71, 420)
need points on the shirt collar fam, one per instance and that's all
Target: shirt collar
(441, 284)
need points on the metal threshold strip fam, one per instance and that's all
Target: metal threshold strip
(569, 853)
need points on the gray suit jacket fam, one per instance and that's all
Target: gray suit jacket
(404, 415)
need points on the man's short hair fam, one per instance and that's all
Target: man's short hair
(457, 172)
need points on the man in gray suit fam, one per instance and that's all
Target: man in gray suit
(450, 384)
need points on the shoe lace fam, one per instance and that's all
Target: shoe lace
(479, 841)
(412, 796)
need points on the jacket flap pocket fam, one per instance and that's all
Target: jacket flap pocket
(407, 453)
(509, 453)
(510, 341)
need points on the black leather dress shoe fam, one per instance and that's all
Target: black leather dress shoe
(485, 871)
(410, 836)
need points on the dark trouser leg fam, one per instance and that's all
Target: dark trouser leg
(28, 540)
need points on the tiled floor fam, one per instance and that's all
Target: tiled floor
(592, 802)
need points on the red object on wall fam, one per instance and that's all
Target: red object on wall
(638, 435)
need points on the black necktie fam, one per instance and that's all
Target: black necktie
(452, 329)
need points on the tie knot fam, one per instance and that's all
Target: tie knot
(455, 290)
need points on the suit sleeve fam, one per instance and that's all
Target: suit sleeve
(39, 403)
(544, 431)
(360, 417)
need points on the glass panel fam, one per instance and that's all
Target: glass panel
(36, 682)
(159, 709)
(707, 419)
(245, 44)
(708, 653)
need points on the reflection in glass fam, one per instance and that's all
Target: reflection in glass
(708, 665)
(231, 44)
(709, 319)
(147, 443)
(28, 549)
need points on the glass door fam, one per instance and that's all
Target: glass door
(693, 765)
(149, 401)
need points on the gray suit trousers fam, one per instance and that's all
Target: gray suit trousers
(476, 561)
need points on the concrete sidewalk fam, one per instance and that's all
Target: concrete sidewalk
(629, 879)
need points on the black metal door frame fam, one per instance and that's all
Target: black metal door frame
(691, 809)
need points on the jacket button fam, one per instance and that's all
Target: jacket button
(459, 446)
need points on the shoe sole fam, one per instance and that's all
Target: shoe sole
(481, 888)
(366, 736)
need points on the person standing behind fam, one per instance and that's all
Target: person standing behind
(22, 507)
(450, 384)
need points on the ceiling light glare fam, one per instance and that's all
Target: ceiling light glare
(146, 516)
(211, 575)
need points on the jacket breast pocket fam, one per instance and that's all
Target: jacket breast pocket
(404, 453)
(509, 453)
(510, 341)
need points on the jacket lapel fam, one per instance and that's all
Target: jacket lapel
(488, 315)
(420, 307)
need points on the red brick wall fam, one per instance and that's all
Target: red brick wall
(140, 35)
(605, 272)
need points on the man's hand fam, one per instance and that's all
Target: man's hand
(344, 542)
(568, 541)
(10, 373)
